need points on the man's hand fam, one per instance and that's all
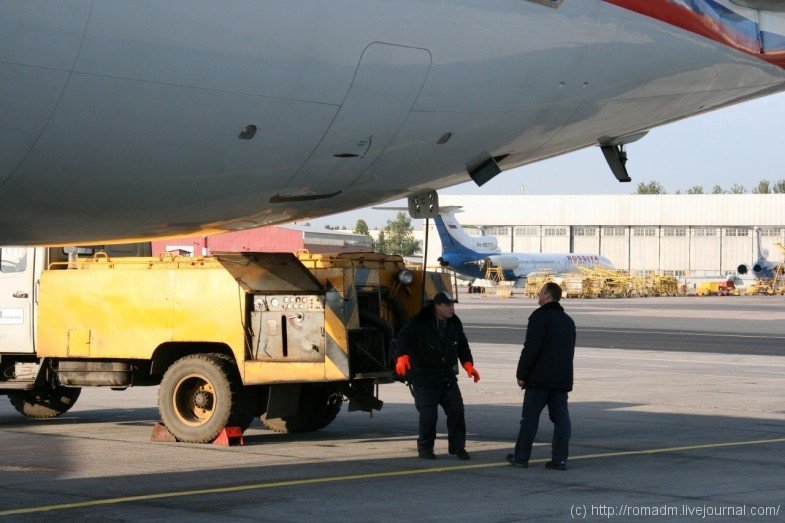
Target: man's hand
(471, 371)
(402, 365)
(521, 383)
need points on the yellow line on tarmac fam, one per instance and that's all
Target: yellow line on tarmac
(353, 477)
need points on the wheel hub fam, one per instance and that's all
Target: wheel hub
(194, 400)
(202, 400)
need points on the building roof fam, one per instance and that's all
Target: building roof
(621, 209)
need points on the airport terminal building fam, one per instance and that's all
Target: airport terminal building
(681, 235)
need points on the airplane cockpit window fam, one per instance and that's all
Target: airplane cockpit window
(13, 259)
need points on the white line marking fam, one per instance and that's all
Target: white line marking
(635, 331)
(669, 360)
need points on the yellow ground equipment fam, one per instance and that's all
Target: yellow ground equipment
(761, 287)
(233, 336)
(778, 282)
(535, 281)
(662, 285)
(608, 283)
(716, 288)
(576, 286)
(498, 286)
(600, 282)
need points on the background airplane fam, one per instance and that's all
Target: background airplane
(762, 268)
(471, 255)
(134, 119)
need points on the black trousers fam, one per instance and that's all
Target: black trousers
(534, 400)
(427, 401)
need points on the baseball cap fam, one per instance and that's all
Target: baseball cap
(444, 297)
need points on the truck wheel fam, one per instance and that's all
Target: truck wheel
(46, 402)
(253, 399)
(199, 395)
(319, 406)
(253, 405)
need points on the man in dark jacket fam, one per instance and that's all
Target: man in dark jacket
(428, 349)
(545, 372)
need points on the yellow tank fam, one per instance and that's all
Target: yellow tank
(232, 336)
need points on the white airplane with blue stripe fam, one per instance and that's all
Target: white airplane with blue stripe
(472, 255)
(122, 119)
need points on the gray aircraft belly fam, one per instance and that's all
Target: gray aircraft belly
(123, 118)
(384, 88)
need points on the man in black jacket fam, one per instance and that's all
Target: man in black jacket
(428, 350)
(545, 372)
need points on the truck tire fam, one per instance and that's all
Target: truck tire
(254, 403)
(253, 399)
(46, 402)
(199, 395)
(319, 406)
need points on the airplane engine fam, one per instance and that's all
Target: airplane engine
(502, 261)
(757, 268)
(742, 269)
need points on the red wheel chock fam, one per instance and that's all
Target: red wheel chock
(161, 433)
(230, 437)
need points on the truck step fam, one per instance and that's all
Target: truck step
(17, 385)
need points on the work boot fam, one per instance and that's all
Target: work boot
(461, 454)
(515, 463)
(556, 465)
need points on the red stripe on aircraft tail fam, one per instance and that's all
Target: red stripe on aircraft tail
(687, 19)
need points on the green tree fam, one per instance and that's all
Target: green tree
(361, 228)
(738, 189)
(717, 190)
(400, 236)
(696, 189)
(779, 187)
(653, 187)
(380, 244)
(763, 187)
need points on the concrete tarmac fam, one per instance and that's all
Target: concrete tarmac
(677, 414)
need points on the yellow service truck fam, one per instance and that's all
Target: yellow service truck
(228, 337)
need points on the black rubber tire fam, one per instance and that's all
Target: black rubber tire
(253, 399)
(226, 400)
(46, 402)
(254, 404)
(319, 406)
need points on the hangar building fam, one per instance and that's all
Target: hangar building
(279, 238)
(677, 234)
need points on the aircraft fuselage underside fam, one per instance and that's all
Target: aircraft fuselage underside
(130, 119)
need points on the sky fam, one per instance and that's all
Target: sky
(742, 144)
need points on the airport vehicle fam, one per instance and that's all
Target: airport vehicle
(762, 268)
(213, 116)
(716, 288)
(760, 288)
(228, 338)
(472, 256)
